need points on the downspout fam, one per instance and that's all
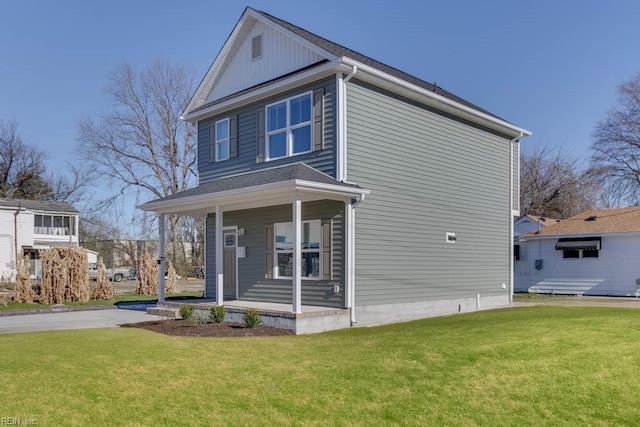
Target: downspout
(342, 123)
(351, 74)
(352, 260)
(511, 231)
(351, 225)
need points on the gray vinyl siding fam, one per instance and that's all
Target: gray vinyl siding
(428, 174)
(324, 160)
(252, 283)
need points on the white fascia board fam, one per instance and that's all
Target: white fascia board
(279, 86)
(582, 235)
(330, 188)
(411, 91)
(266, 193)
(205, 198)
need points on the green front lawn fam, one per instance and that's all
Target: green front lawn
(526, 366)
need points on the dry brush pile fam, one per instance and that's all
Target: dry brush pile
(104, 289)
(24, 291)
(147, 276)
(65, 276)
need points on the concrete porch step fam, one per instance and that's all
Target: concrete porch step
(171, 313)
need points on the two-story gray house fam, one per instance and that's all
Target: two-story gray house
(330, 179)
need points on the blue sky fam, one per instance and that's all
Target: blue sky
(549, 66)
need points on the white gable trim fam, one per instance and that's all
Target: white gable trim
(241, 29)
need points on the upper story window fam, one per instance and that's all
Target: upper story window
(54, 225)
(222, 140)
(289, 127)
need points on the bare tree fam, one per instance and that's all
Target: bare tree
(142, 146)
(22, 167)
(553, 185)
(616, 146)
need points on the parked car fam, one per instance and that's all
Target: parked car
(114, 274)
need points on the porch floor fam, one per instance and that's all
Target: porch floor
(307, 310)
(311, 319)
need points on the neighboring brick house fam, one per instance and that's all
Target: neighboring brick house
(330, 179)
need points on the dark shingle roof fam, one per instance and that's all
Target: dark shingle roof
(339, 50)
(38, 205)
(298, 171)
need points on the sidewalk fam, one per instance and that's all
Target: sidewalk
(106, 318)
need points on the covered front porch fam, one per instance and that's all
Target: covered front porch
(285, 261)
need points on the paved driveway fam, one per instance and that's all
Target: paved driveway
(110, 318)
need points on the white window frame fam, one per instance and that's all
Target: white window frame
(288, 129)
(276, 270)
(221, 141)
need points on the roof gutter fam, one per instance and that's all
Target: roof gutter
(433, 99)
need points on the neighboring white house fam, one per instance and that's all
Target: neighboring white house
(28, 225)
(593, 253)
(528, 223)
(523, 225)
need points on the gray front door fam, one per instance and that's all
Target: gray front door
(230, 264)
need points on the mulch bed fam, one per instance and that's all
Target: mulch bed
(190, 328)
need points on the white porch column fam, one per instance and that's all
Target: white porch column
(348, 217)
(219, 258)
(161, 254)
(352, 259)
(297, 255)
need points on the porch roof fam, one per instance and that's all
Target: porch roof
(267, 187)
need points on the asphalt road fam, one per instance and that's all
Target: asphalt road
(110, 318)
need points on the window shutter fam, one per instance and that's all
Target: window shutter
(233, 136)
(268, 252)
(260, 136)
(326, 250)
(212, 143)
(318, 115)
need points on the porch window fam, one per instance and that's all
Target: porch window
(311, 250)
(289, 127)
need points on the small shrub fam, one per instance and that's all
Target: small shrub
(251, 317)
(186, 311)
(217, 313)
(200, 317)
